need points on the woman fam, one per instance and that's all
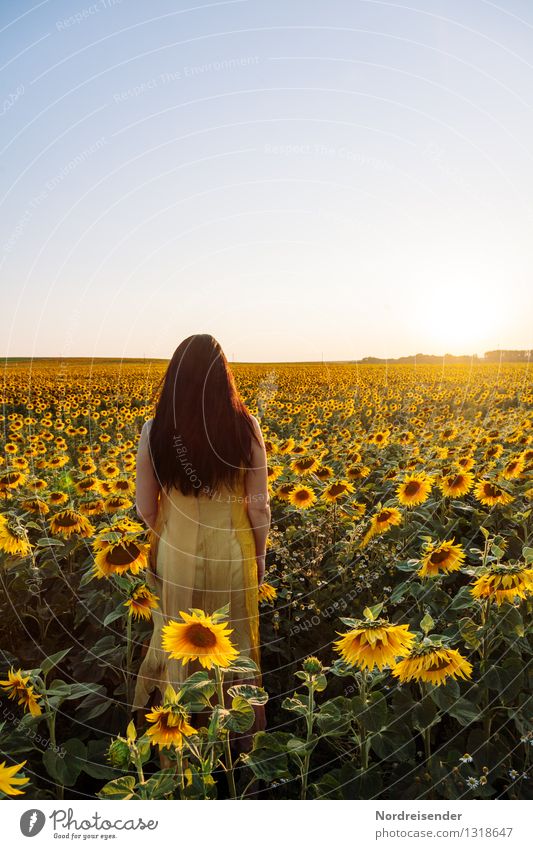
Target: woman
(202, 490)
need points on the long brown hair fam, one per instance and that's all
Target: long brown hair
(202, 431)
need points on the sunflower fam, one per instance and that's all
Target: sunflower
(36, 506)
(110, 470)
(456, 484)
(17, 687)
(442, 557)
(9, 779)
(513, 468)
(286, 446)
(141, 603)
(302, 497)
(170, 726)
(117, 502)
(68, 522)
(91, 506)
(504, 582)
(493, 452)
(323, 473)
(198, 636)
(375, 643)
(123, 486)
(116, 558)
(336, 490)
(56, 498)
(87, 484)
(125, 525)
(304, 465)
(273, 472)
(13, 538)
(489, 493)
(357, 472)
(414, 489)
(267, 593)
(37, 485)
(283, 492)
(381, 522)
(432, 663)
(12, 479)
(380, 438)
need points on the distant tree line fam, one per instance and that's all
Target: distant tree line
(489, 356)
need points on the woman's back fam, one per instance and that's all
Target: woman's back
(203, 557)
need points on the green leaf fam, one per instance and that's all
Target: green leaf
(462, 600)
(253, 695)
(241, 716)
(268, 759)
(334, 716)
(350, 623)
(296, 704)
(425, 714)
(511, 622)
(399, 591)
(52, 660)
(115, 614)
(470, 632)
(159, 785)
(427, 622)
(527, 554)
(320, 683)
(47, 542)
(445, 695)
(464, 712)
(65, 765)
(375, 717)
(373, 612)
(243, 664)
(197, 690)
(120, 788)
(221, 613)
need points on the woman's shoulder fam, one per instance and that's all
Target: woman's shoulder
(145, 430)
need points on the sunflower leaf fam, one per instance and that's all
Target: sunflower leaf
(221, 613)
(253, 695)
(52, 660)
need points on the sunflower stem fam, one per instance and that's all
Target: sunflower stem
(426, 733)
(227, 746)
(309, 727)
(129, 647)
(363, 747)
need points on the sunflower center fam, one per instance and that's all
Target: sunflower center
(301, 495)
(200, 636)
(492, 491)
(67, 520)
(384, 516)
(336, 489)
(412, 488)
(437, 664)
(438, 557)
(121, 555)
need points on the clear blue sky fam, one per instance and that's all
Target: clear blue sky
(301, 179)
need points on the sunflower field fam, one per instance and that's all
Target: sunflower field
(396, 612)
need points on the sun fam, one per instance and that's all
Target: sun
(457, 317)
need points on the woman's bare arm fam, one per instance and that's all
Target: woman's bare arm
(147, 487)
(258, 500)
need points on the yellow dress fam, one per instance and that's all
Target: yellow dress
(202, 556)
